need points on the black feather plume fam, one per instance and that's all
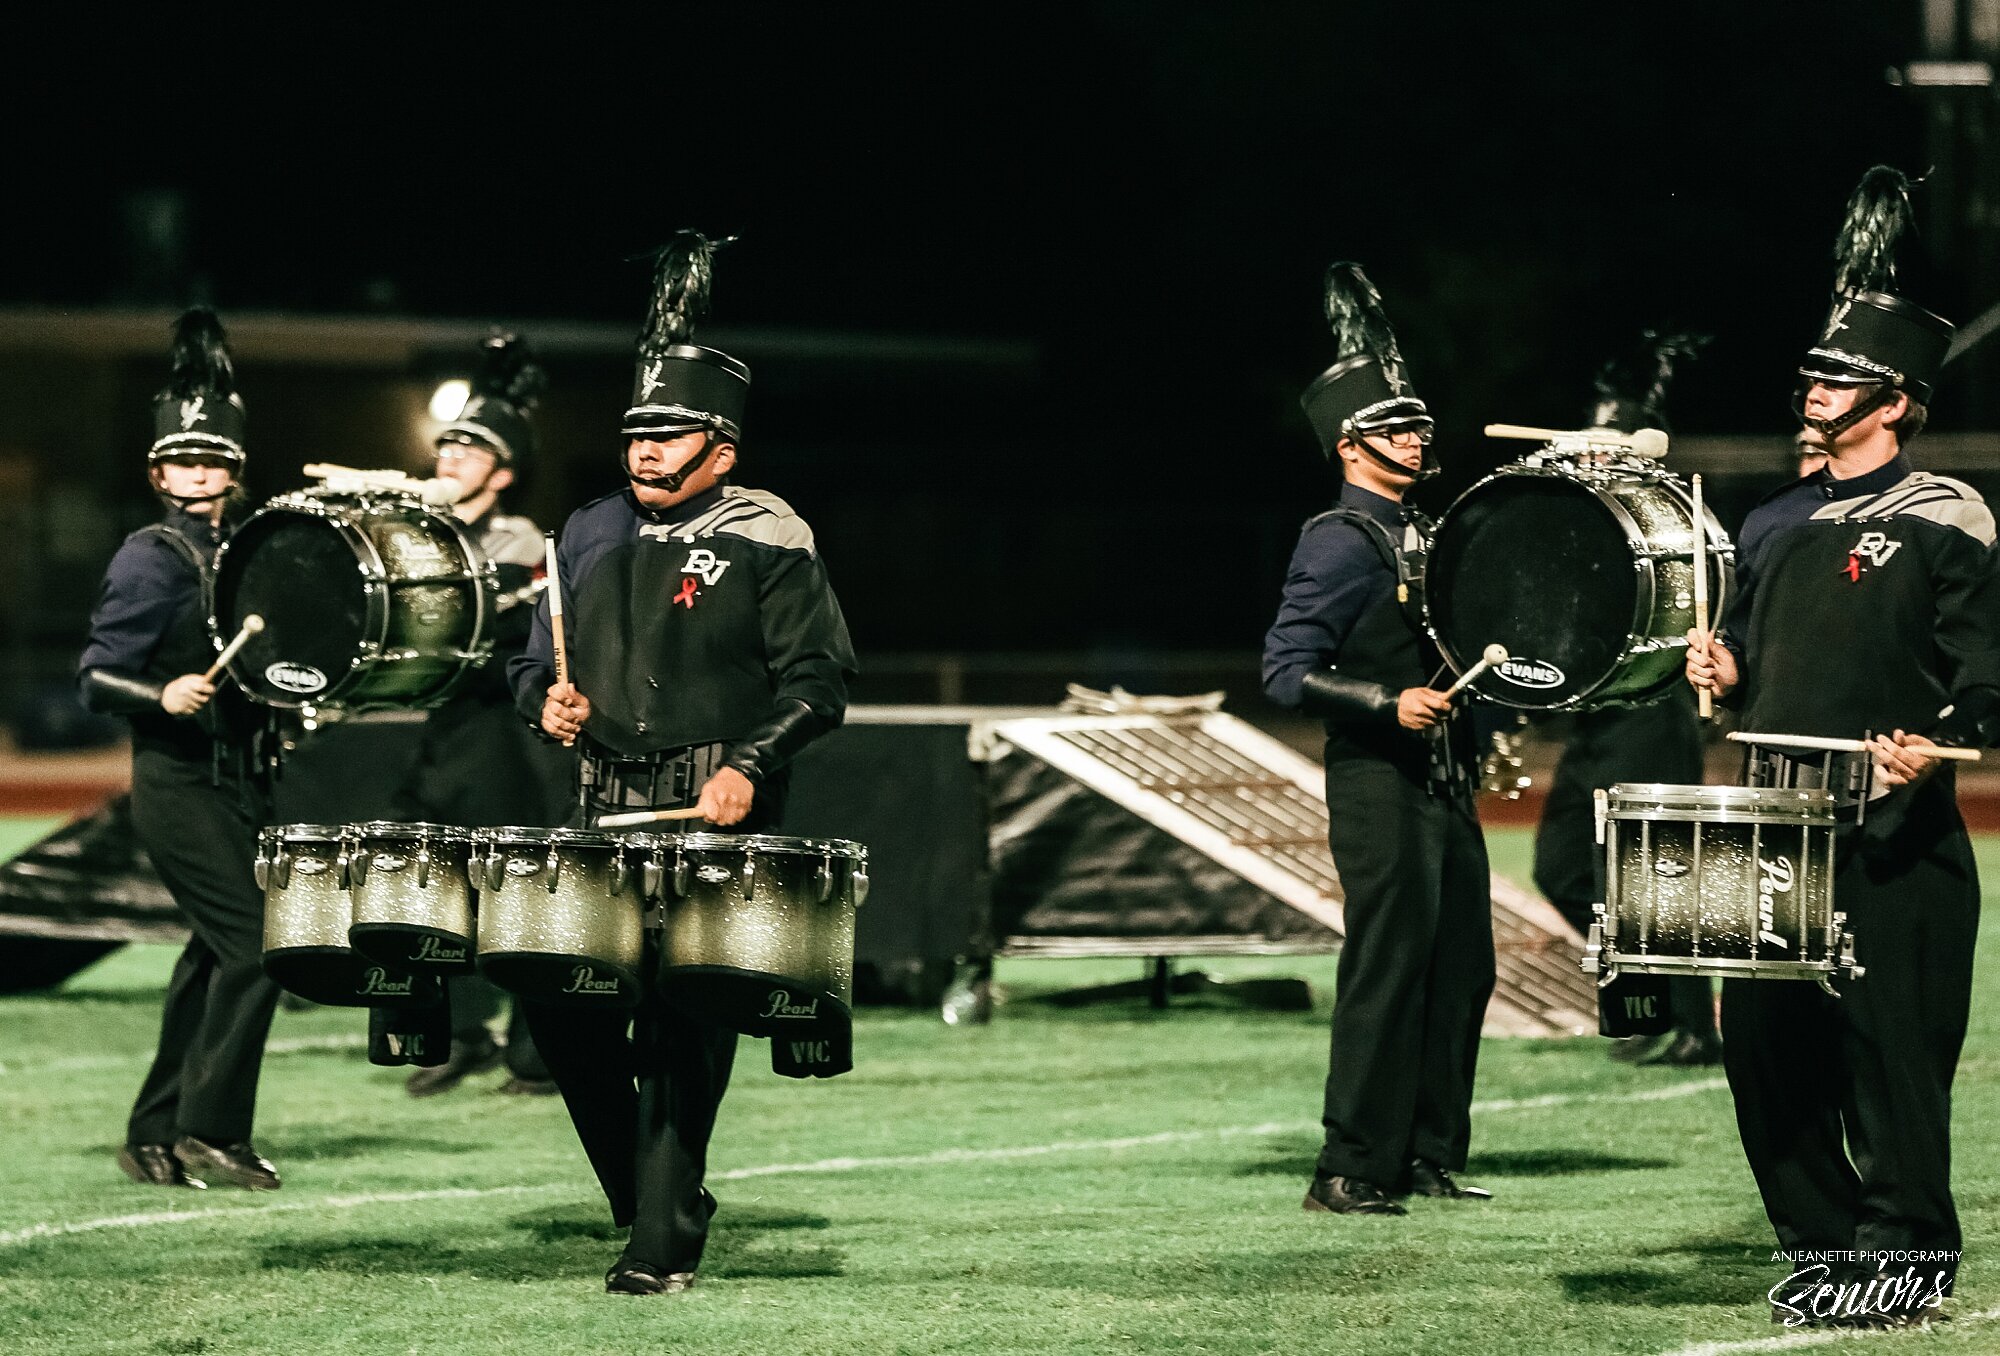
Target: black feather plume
(684, 268)
(202, 365)
(1360, 325)
(1878, 214)
(508, 371)
(1642, 377)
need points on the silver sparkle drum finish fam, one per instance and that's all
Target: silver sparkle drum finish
(412, 896)
(369, 601)
(1585, 572)
(561, 912)
(303, 871)
(759, 929)
(1731, 881)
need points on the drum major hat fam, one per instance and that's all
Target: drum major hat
(199, 413)
(1366, 390)
(504, 392)
(678, 386)
(1872, 334)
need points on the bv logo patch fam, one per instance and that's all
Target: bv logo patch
(1875, 548)
(702, 561)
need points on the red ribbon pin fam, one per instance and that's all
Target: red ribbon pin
(686, 596)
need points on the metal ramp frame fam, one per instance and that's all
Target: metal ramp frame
(1256, 807)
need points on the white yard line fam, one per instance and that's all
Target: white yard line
(1819, 1337)
(162, 1218)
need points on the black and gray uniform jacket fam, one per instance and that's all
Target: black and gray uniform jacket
(709, 622)
(1347, 640)
(150, 626)
(1869, 605)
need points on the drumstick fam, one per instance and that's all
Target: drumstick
(1495, 654)
(252, 624)
(1647, 442)
(555, 608)
(1824, 744)
(626, 821)
(1703, 697)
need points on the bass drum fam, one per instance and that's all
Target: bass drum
(1586, 575)
(368, 601)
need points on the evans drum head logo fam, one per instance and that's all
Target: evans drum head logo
(1530, 673)
(303, 679)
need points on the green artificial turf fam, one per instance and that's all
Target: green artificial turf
(1108, 1179)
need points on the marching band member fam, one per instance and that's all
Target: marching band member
(706, 650)
(1844, 1104)
(200, 791)
(1658, 742)
(476, 766)
(1416, 965)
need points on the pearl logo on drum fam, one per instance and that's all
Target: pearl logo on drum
(783, 1006)
(376, 983)
(434, 948)
(713, 874)
(1774, 877)
(303, 679)
(583, 980)
(1530, 673)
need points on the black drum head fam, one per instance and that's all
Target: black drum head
(1541, 565)
(300, 574)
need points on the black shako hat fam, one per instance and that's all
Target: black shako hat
(504, 391)
(1367, 390)
(1871, 334)
(199, 413)
(1632, 388)
(679, 387)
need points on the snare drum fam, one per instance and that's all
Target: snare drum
(561, 912)
(1731, 881)
(759, 931)
(369, 601)
(1584, 573)
(412, 897)
(303, 871)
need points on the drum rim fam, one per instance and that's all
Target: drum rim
(500, 834)
(304, 833)
(769, 844)
(1775, 796)
(420, 828)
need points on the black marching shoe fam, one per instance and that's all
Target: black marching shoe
(155, 1165)
(628, 1277)
(236, 1165)
(1689, 1050)
(467, 1058)
(517, 1086)
(1349, 1196)
(1428, 1179)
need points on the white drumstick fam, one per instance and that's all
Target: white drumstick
(555, 607)
(636, 817)
(1826, 744)
(252, 624)
(1495, 654)
(1703, 697)
(1646, 442)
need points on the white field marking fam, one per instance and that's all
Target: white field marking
(1792, 1341)
(59, 1228)
(304, 1045)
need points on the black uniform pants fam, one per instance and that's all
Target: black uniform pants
(1416, 969)
(202, 840)
(644, 1102)
(1844, 1105)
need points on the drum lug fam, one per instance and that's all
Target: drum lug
(621, 873)
(1593, 947)
(651, 873)
(550, 869)
(1854, 969)
(423, 864)
(749, 875)
(496, 869)
(357, 866)
(1600, 809)
(857, 884)
(683, 872)
(281, 869)
(823, 879)
(343, 866)
(260, 871)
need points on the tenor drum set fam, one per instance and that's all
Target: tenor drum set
(365, 593)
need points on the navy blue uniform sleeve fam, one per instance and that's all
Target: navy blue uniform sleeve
(144, 587)
(1336, 574)
(1734, 630)
(806, 644)
(533, 671)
